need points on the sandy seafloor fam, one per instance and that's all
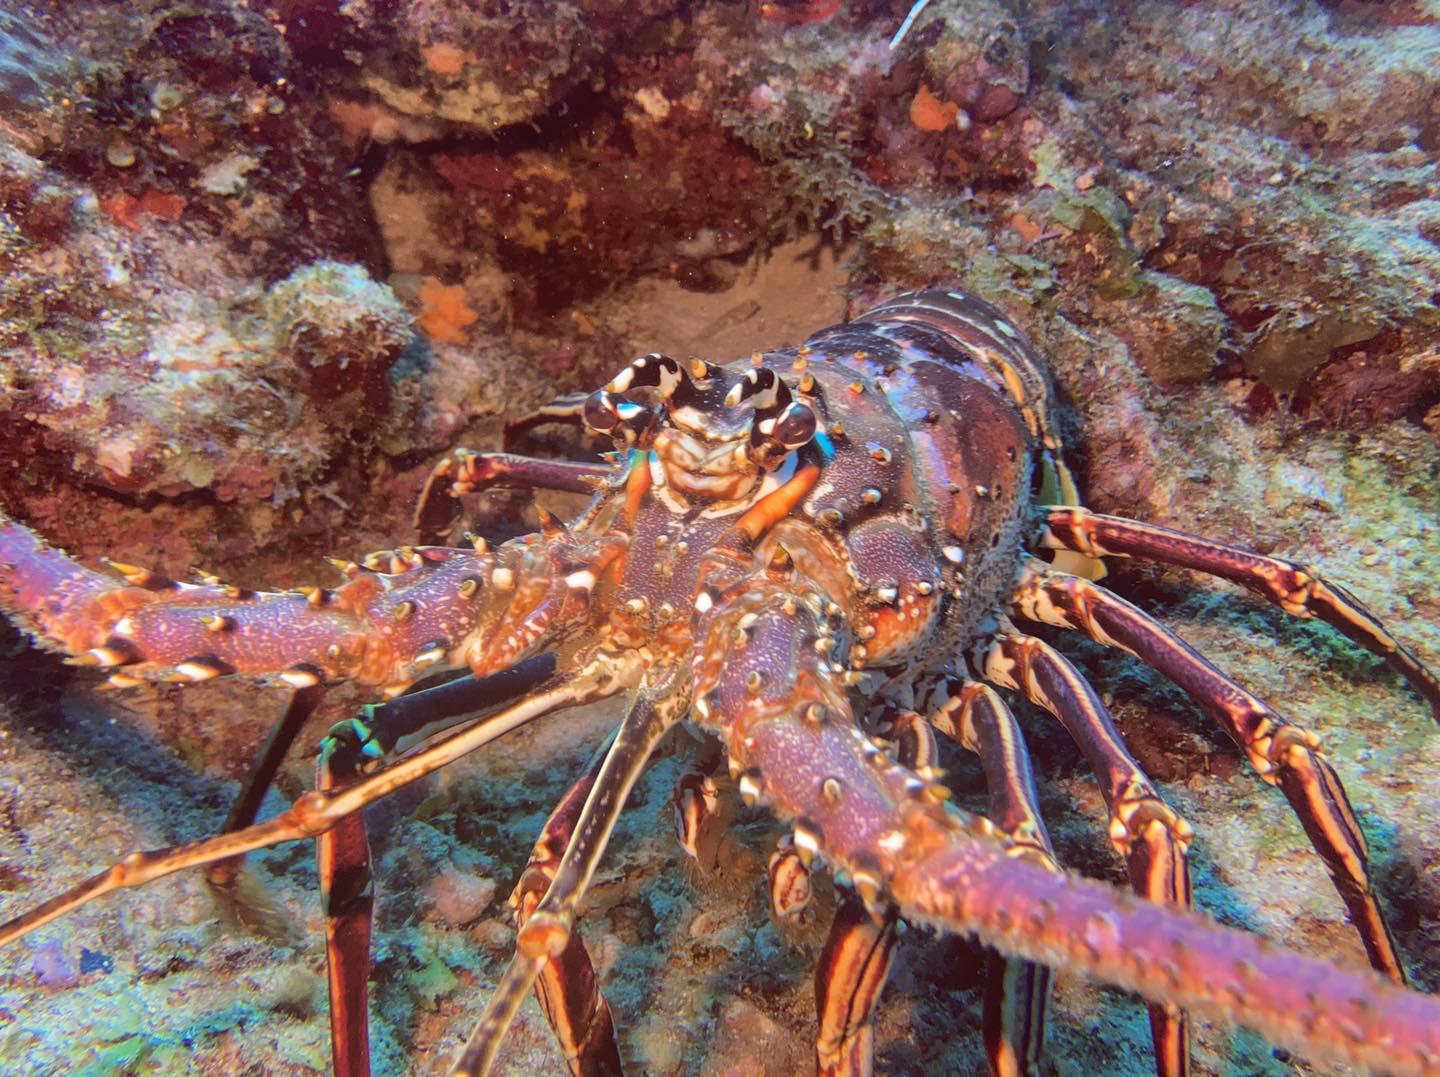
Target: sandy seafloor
(700, 980)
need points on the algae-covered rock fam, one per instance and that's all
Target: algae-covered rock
(483, 66)
(1174, 329)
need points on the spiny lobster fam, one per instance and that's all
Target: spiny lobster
(807, 555)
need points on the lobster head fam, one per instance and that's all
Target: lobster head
(712, 433)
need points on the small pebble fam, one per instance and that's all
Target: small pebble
(120, 154)
(459, 899)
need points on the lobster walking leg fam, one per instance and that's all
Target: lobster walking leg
(466, 471)
(343, 852)
(1151, 837)
(848, 980)
(548, 930)
(224, 876)
(568, 409)
(1017, 993)
(347, 892)
(566, 987)
(699, 819)
(1297, 590)
(1282, 753)
(855, 961)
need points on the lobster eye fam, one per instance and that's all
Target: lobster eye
(795, 426)
(600, 413)
(624, 420)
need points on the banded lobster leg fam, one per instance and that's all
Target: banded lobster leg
(1144, 830)
(856, 958)
(1299, 591)
(342, 853)
(1017, 993)
(1283, 754)
(566, 986)
(546, 934)
(781, 708)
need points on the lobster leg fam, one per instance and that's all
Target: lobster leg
(566, 987)
(787, 877)
(317, 811)
(848, 980)
(699, 820)
(1283, 754)
(343, 853)
(347, 892)
(855, 961)
(567, 409)
(224, 876)
(1297, 590)
(1017, 993)
(465, 471)
(1151, 837)
(547, 932)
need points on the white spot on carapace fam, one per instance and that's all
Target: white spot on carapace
(584, 580)
(197, 671)
(806, 839)
(954, 554)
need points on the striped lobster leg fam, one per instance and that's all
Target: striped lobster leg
(1017, 993)
(1283, 754)
(1153, 840)
(1298, 590)
(342, 853)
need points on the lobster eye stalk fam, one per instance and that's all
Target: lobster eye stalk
(628, 423)
(782, 424)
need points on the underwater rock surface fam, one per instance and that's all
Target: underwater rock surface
(262, 263)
